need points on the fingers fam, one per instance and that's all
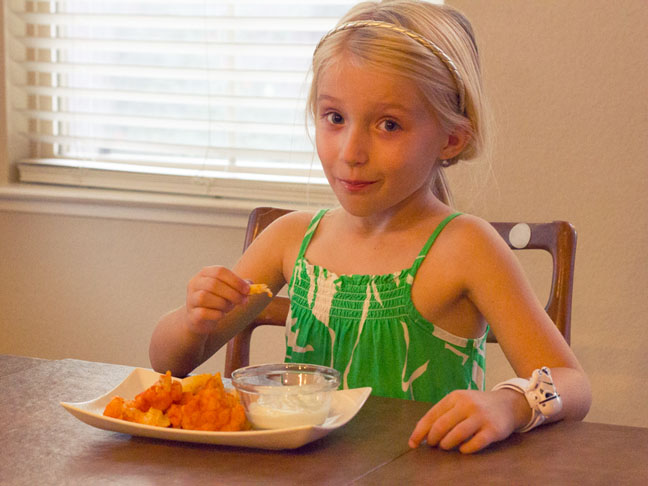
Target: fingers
(208, 292)
(446, 425)
(477, 442)
(221, 275)
(457, 435)
(447, 428)
(468, 420)
(430, 420)
(212, 293)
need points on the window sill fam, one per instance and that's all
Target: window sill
(130, 205)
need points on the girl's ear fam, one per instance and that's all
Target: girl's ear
(455, 143)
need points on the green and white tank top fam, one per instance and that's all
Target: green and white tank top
(367, 328)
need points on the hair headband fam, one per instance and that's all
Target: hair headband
(436, 50)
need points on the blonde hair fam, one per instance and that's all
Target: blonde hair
(392, 52)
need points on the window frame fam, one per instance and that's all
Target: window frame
(47, 182)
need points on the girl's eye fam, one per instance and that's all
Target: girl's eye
(335, 118)
(390, 125)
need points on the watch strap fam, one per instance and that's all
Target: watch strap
(540, 393)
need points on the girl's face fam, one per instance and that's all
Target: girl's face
(377, 139)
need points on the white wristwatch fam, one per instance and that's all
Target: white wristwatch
(541, 394)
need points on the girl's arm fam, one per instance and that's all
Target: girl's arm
(213, 313)
(495, 283)
(217, 304)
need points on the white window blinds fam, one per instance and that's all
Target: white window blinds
(195, 97)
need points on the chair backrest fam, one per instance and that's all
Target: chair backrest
(558, 238)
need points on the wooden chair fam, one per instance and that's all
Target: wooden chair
(558, 238)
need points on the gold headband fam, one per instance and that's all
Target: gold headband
(436, 50)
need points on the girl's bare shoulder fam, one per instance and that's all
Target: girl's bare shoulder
(467, 227)
(470, 239)
(288, 228)
(276, 246)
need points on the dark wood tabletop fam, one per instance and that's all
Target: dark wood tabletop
(43, 444)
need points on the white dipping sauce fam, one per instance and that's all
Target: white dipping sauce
(293, 410)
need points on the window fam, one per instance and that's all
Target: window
(192, 97)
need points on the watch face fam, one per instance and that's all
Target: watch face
(546, 398)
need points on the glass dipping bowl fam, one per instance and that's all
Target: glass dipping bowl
(284, 395)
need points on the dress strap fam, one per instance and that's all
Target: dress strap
(428, 244)
(310, 231)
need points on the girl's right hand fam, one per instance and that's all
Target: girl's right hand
(211, 294)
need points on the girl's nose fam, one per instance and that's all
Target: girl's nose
(355, 150)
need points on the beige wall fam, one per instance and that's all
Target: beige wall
(568, 81)
(568, 85)
(3, 104)
(93, 288)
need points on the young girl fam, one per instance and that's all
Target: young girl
(393, 288)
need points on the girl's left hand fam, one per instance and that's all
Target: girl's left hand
(471, 419)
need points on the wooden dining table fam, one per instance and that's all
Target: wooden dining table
(42, 444)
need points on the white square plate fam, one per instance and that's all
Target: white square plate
(344, 405)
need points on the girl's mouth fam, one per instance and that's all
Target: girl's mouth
(355, 185)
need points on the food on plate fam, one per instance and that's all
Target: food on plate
(160, 395)
(199, 402)
(119, 408)
(260, 289)
(192, 383)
